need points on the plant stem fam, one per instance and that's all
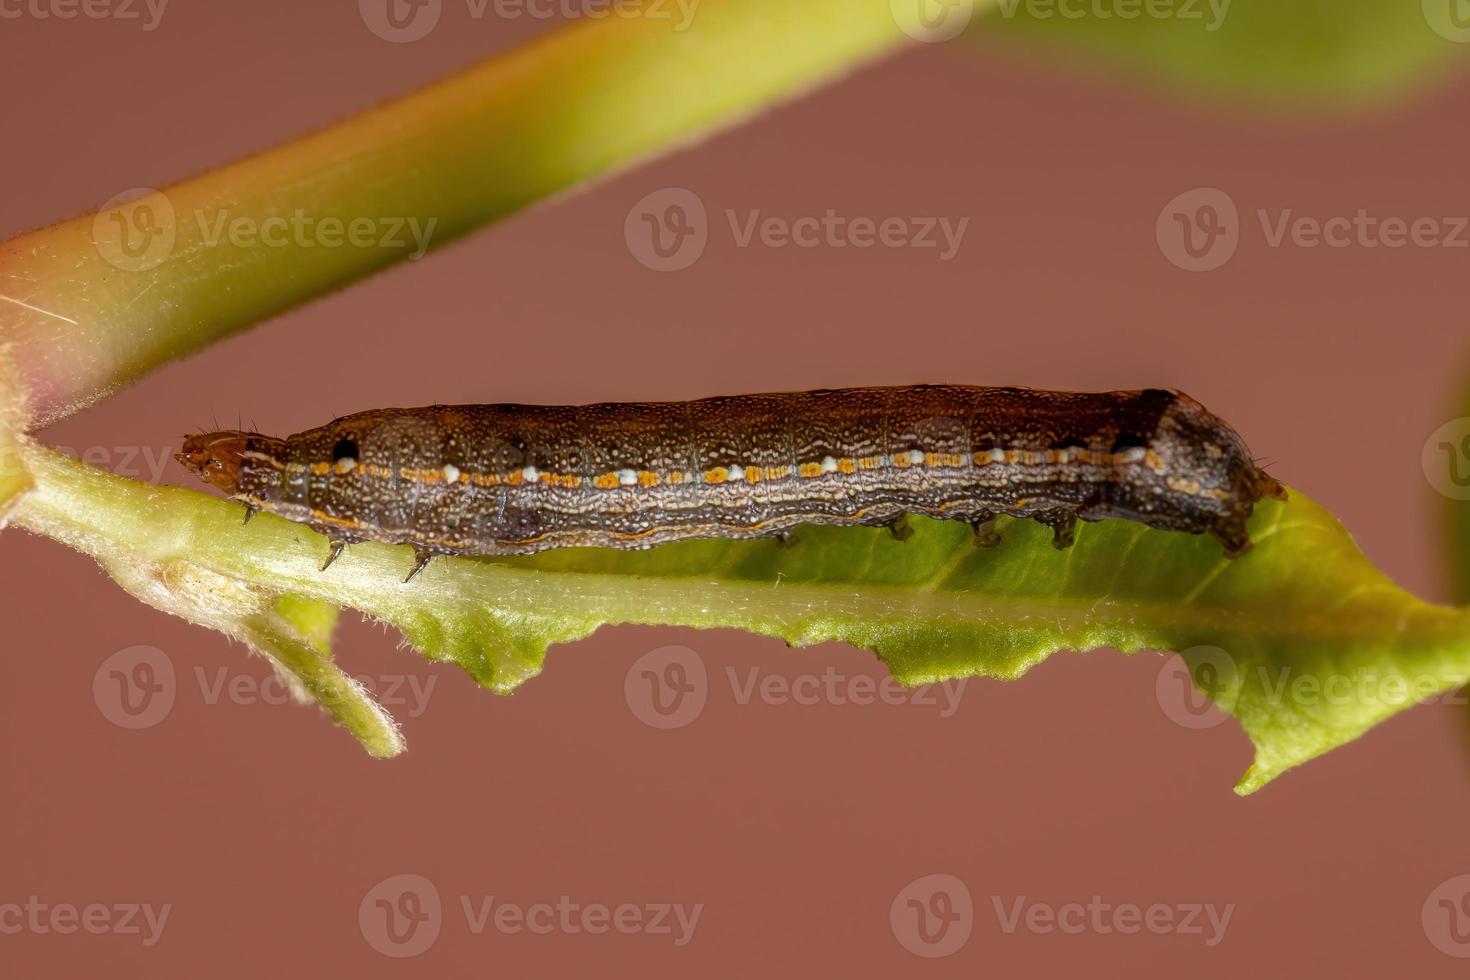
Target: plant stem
(91, 304)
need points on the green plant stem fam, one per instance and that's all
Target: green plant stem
(577, 104)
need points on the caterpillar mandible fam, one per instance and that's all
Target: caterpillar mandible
(517, 479)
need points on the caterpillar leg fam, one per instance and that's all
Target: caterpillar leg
(250, 510)
(334, 549)
(899, 528)
(785, 539)
(1235, 539)
(986, 536)
(1063, 526)
(421, 561)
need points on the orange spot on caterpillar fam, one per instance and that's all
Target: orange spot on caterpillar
(326, 518)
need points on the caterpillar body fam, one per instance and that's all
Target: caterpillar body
(517, 479)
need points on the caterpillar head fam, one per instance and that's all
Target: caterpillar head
(1196, 474)
(231, 461)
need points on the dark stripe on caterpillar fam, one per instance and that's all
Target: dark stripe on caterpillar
(517, 479)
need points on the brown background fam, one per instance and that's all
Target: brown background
(795, 826)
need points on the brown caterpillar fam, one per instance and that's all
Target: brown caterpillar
(517, 479)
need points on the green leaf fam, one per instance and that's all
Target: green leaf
(1302, 640)
(1317, 50)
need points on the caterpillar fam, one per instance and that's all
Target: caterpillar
(518, 479)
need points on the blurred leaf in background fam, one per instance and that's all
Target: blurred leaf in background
(1362, 51)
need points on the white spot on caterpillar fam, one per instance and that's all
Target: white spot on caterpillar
(346, 465)
(451, 473)
(530, 474)
(997, 455)
(627, 478)
(1133, 454)
(736, 472)
(915, 457)
(829, 465)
